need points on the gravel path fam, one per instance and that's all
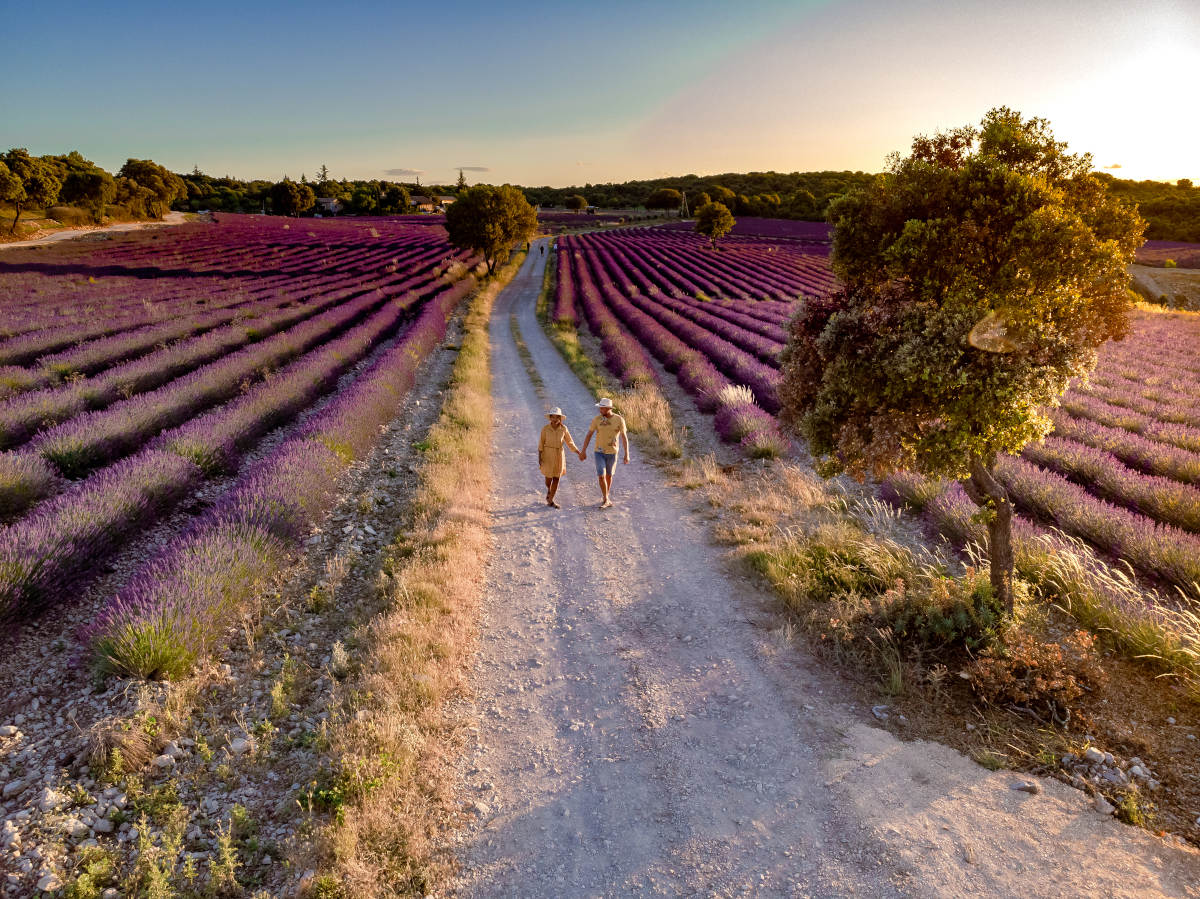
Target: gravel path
(171, 218)
(645, 727)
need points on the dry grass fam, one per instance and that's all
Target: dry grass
(1163, 631)
(392, 742)
(126, 744)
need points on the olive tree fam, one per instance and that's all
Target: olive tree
(164, 187)
(664, 198)
(980, 274)
(714, 221)
(26, 181)
(577, 202)
(490, 221)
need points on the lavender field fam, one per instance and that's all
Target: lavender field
(137, 371)
(1121, 471)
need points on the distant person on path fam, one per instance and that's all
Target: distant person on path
(552, 458)
(609, 428)
(542, 249)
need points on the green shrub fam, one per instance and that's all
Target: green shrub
(1170, 263)
(943, 612)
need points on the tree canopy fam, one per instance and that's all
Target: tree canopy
(490, 221)
(290, 198)
(664, 198)
(154, 187)
(84, 184)
(714, 221)
(577, 202)
(980, 274)
(27, 181)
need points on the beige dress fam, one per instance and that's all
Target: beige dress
(551, 456)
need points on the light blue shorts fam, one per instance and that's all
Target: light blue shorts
(606, 463)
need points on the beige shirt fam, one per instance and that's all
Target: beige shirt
(607, 430)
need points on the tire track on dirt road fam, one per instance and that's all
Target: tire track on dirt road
(643, 730)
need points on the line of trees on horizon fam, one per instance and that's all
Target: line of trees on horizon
(84, 192)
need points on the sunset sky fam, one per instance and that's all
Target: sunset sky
(570, 92)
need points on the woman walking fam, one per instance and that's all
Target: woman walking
(552, 458)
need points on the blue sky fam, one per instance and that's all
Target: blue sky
(571, 92)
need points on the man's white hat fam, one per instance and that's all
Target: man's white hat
(604, 403)
(555, 411)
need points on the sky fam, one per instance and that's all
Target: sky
(573, 92)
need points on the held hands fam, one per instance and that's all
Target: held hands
(582, 456)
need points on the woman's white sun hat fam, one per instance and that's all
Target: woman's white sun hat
(605, 403)
(555, 411)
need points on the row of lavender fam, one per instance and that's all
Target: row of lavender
(628, 332)
(97, 427)
(46, 555)
(132, 363)
(87, 299)
(683, 264)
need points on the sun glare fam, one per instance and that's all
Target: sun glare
(1112, 112)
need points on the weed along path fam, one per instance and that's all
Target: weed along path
(641, 725)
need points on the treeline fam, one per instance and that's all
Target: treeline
(143, 189)
(1171, 211)
(75, 191)
(795, 195)
(288, 197)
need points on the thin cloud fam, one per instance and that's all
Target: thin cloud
(1115, 165)
(472, 168)
(404, 173)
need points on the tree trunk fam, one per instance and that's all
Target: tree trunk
(16, 215)
(988, 493)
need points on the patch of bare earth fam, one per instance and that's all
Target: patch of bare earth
(1180, 286)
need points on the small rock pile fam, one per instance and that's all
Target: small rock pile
(1098, 772)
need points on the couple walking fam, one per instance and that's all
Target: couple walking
(609, 428)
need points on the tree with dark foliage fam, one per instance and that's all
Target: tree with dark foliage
(981, 273)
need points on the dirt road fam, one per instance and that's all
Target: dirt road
(645, 727)
(171, 218)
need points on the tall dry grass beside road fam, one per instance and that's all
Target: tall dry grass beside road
(391, 749)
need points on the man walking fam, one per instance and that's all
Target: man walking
(609, 428)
